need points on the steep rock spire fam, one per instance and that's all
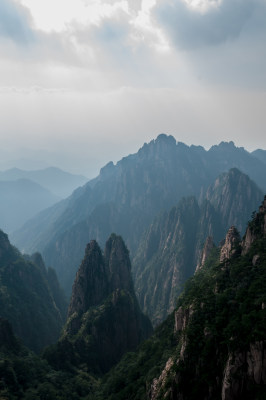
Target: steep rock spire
(90, 286)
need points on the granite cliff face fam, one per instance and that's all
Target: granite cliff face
(239, 370)
(171, 248)
(206, 251)
(26, 298)
(104, 318)
(234, 195)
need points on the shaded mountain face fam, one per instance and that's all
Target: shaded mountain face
(104, 318)
(171, 248)
(260, 155)
(26, 299)
(213, 346)
(129, 195)
(234, 195)
(56, 181)
(20, 200)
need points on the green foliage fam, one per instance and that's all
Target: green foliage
(26, 298)
(131, 377)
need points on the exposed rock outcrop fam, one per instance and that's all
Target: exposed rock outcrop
(205, 367)
(231, 245)
(256, 228)
(242, 369)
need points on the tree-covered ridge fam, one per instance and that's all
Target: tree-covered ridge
(218, 337)
(212, 347)
(33, 304)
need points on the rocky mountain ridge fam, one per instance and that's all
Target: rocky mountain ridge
(129, 195)
(170, 250)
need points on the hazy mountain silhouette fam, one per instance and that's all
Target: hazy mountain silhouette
(127, 196)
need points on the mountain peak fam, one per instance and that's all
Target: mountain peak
(225, 146)
(90, 284)
(166, 139)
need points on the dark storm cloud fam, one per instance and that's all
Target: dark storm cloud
(15, 22)
(224, 21)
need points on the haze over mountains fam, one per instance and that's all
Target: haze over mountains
(57, 181)
(174, 205)
(125, 198)
(25, 193)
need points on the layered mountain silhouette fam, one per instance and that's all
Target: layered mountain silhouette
(20, 200)
(30, 297)
(55, 180)
(127, 196)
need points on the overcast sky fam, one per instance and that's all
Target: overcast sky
(83, 82)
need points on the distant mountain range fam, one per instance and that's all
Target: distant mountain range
(126, 197)
(60, 183)
(20, 200)
(23, 194)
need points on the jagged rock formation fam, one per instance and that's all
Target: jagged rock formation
(168, 254)
(26, 298)
(127, 196)
(244, 369)
(104, 318)
(215, 340)
(243, 374)
(171, 248)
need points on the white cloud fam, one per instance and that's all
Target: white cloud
(110, 75)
